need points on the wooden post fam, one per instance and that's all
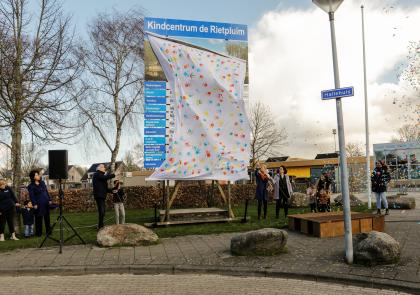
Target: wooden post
(231, 215)
(167, 202)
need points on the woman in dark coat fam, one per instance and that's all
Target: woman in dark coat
(41, 201)
(8, 202)
(380, 178)
(261, 194)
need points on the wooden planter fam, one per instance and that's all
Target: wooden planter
(331, 224)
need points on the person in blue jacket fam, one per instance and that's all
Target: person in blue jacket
(100, 190)
(8, 202)
(41, 201)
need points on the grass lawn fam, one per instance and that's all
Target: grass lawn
(85, 223)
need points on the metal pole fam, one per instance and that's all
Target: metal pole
(342, 146)
(366, 118)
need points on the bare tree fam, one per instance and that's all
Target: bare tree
(113, 81)
(31, 158)
(354, 149)
(408, 132)
(36, 66)
(267, 136)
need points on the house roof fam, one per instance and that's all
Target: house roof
(277, 159)
(92, 168)
(327, 156)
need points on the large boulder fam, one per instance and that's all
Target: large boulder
(126, 235)
(401, 202)
(354, 201)
(376, 248)
(264, 242)
(299, 200)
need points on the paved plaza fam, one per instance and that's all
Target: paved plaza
(175, 285)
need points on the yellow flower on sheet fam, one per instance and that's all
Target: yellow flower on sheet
(206, 114)
(220, 123)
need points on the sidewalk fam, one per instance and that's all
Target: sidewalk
(307, 258)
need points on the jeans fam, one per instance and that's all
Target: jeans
(381, 197)
(7, 216)
(119, 213)
(29, 230)
(313, 207)
(101, 212)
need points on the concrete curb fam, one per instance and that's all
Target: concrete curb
(355, 280)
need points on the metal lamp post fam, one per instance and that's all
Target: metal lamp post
(330, 6)
(368, 189)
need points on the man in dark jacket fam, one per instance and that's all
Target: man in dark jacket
(380, 178)
(100, 190)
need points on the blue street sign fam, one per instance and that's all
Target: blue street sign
(155, 108)
(154, 116)
(154, 148)
(155, 92)
(337, 93)
(154, 140)
(161, 123)
(155, 99)
(155, 131)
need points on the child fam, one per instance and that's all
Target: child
(311, 193)
(118, 199)
(28, 218)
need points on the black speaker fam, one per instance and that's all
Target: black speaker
(58, 164)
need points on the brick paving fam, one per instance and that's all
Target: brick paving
(179, 284)
(307, 257)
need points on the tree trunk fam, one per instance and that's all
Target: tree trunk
(116, 150)
(17, 155)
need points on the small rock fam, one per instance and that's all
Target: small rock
(376, 248)
(264, 242)
(126, 235)
(354, 201)
(401, 202)
(299, 200)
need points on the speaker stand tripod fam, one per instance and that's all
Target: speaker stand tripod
(60, 220)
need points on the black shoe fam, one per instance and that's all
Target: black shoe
(387, 212)
(378, 211)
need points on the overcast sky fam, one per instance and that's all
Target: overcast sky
(290, 63)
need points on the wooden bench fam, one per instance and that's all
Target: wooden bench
(331, 224)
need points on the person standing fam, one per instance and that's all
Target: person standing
(311, 194)
(323, 192)
(8, 202)
(380, 178)
(261, 194)
(100, 190)
(282, 191)
(118, 197)
(28, 218)
(41, 201)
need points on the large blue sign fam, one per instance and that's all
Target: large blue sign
(337, 93)
(199, 29)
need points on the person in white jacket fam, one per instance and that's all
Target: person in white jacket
(282, 190)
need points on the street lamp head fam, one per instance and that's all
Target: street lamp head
(328, 5)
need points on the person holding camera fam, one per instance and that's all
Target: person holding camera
(41, 201)
(118, 197)
(100, 190)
